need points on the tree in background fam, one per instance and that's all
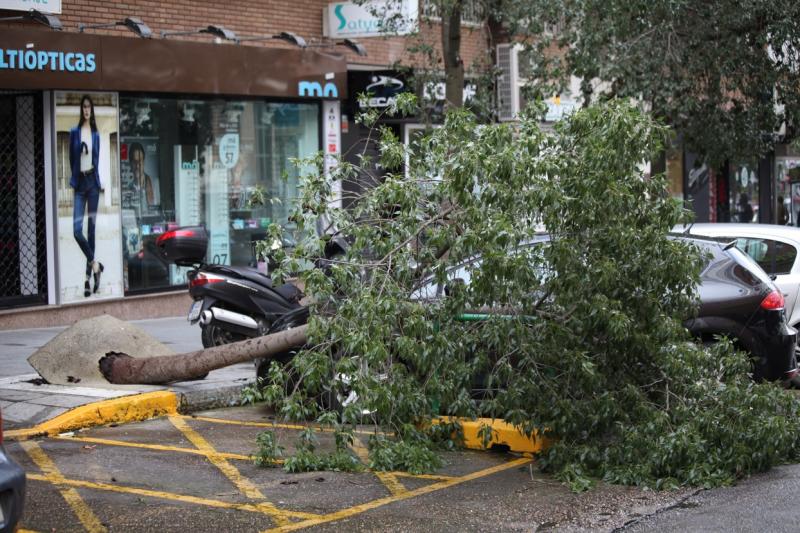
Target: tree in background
(723, 73)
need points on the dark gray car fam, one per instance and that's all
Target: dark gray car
(12, 488)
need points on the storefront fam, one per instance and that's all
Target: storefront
(186, 132)
(376, 90)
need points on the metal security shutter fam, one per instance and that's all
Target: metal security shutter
(23, 244)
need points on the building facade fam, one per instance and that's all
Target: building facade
(195, 111)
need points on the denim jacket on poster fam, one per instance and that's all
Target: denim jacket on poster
(75, 155)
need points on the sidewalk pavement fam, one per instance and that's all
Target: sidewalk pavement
(26, 403)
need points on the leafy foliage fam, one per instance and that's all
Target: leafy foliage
(585, 340)
(725, 74)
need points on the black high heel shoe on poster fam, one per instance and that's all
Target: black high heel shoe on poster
(97, 268)
(86, 290)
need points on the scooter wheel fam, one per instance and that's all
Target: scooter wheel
(215, 335)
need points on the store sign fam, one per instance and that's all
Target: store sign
(52, 60)
(559, 108)
(315, 89)
(382, 92)
(347, 19)
(45, 6)
(332, 136)
(438, 92)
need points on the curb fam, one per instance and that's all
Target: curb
(503, 435)
(133, 408)
(147, 405)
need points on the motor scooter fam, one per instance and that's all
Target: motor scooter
(231, 303)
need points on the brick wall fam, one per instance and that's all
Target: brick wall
(255, 18)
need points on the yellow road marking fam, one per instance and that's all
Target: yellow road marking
(433, 477)
(388, 479)
(253, 508)
(53, 475)
(157, 447)
(244, 485)
(358, 509)
(276, 425)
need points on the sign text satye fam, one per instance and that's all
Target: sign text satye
(348, 19)
(45, 6)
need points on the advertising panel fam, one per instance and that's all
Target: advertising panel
(45, 6)
(368, 19)
(88, 196)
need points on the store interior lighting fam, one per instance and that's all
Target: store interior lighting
(289, 37)
(51, 21)
(134, 24)
(219, 32)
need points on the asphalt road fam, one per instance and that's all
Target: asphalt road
(194, 473)
(766, 502)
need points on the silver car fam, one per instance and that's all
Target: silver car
(12, 488)
(775, 248)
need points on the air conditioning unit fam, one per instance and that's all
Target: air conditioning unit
(509, 95)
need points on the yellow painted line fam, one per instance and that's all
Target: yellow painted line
(433, 477)
(244, 485)
(156, 447)
(170, 496)
(53, 475)
(358, 509)
(503, 433)
(388, 479)
(21, 530)
(276, 425)
(117, 410)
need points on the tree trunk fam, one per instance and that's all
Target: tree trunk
(451, 49)
(120, 368)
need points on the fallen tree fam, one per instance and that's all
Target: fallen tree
(594, 355)
(120, 368)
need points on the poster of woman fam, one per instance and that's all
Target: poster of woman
(87, 162)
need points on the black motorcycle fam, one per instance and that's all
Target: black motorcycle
(230, 303)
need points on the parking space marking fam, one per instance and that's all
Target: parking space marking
(434, 477)
(276, 425)
(388, 479)
(244, 485)
(253, 508)
(157, 447)
(54, 476)
(282, 519)
(358, 509)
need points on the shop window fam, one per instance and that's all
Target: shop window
(744, 192)
(190, 162)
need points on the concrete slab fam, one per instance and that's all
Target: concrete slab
(72, 356)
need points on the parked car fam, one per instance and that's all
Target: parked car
(775, 248)
(738, 300)
(12, 488)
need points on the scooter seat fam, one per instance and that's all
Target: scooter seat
(250, 274)
(289, 291)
